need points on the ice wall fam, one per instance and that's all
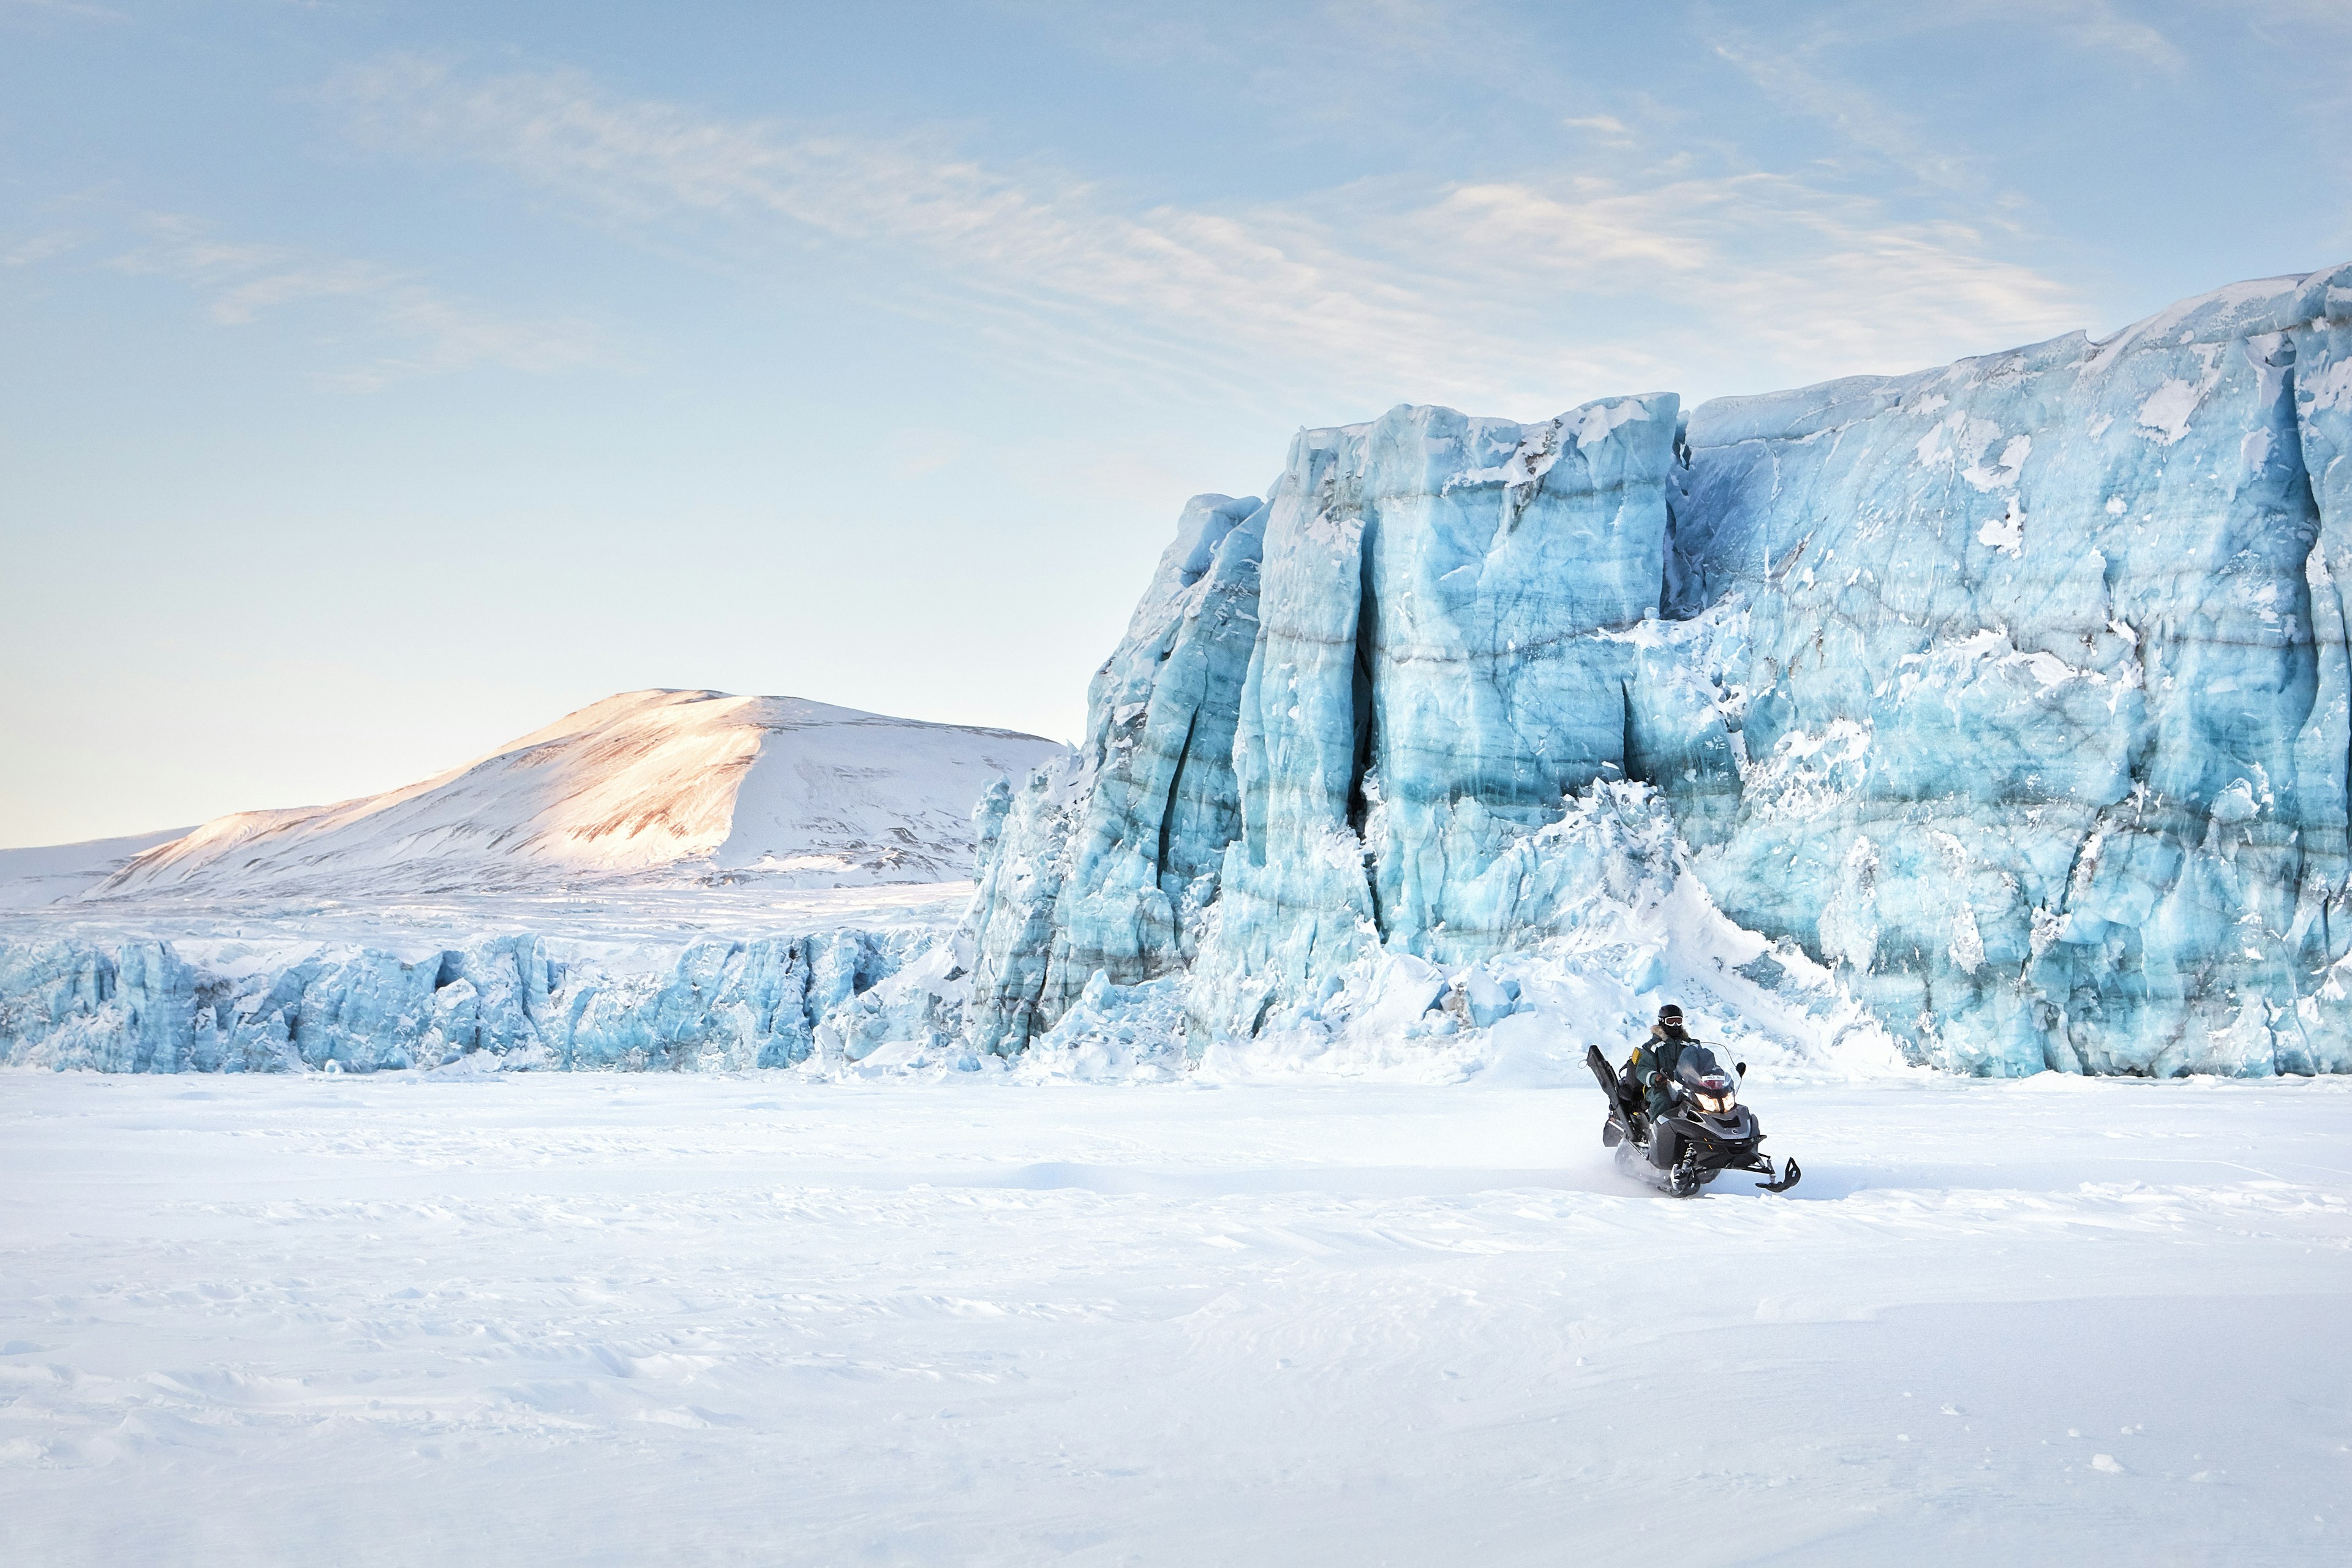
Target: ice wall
(2009, 699)
(2015, 690)
(2045, 722)
(1434, 670)
(508, 1000)
(1106, 862)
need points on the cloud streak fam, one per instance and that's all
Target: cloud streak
(415, 331)
(1511, 294)
(73, 9)
(1795, 66)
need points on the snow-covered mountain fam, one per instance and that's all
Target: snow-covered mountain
(658, 787)
(46, 873)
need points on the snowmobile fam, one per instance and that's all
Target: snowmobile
(1710, 1131)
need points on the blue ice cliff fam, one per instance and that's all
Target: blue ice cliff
(2014, 692)
(143, 1005)
(2000, 712)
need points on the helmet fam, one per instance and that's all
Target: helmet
(1670, 1014)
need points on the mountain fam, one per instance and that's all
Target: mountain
(46, 873)
(648, 786)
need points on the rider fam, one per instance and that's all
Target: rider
(1649, 1067)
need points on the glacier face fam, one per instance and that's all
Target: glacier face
(2045, 722)
(1434, 671)
(509, 1001)
(2004, 708)
(2015, 690)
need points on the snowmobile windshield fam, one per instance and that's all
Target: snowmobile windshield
(1707, 1079)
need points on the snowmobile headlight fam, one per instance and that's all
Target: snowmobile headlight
(1716, 1104)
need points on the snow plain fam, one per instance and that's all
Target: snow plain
(640, 1319)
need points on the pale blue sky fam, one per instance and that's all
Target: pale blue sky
(379, 382)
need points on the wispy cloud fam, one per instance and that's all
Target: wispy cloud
(1795, 77)
(2095, 25)
(1608, 128)
(1814, 280)
(73, 8)
(1800, 67)
(1518, 292)
(41, 248)
(412, 330)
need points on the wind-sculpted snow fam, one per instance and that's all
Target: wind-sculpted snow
(33, 877)
(2016, 692)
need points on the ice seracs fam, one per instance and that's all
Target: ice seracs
(2046, 725)
(2015, 691)
(598, 853)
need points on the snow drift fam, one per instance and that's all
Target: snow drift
(51, 873)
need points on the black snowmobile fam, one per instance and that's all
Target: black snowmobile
(1704, 1131)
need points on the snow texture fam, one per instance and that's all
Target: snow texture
(607, 1320)
(31, 878)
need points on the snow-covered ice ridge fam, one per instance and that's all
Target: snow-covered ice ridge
(2013, 693)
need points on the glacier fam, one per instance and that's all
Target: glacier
(663, 880)
(505, 1002)
(2013, 693)
(1995, 717)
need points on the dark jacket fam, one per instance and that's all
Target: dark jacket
(1656, 1058)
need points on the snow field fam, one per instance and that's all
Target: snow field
(644, 1319)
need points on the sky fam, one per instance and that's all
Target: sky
(378, 383)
